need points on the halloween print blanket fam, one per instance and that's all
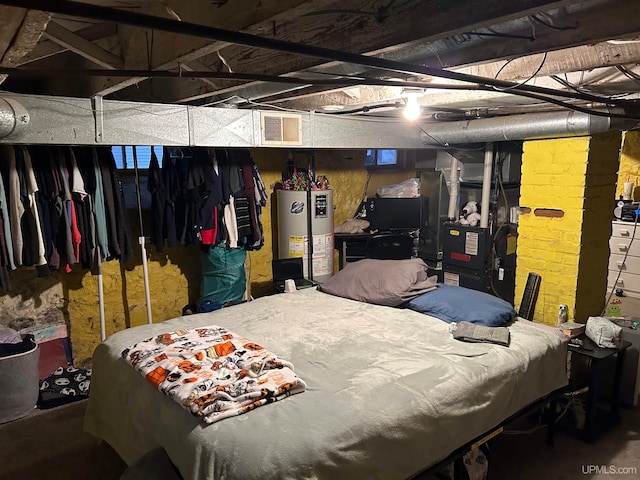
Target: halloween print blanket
(212, 372)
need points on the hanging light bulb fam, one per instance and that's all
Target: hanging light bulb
(412, 108)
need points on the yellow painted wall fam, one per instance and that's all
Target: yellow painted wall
(630, 164)
(576, 176)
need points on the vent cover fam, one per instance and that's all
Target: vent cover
(281, 128)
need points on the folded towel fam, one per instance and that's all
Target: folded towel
(470, 332)
(212, 372)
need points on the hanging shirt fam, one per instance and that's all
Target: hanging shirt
(32, 189)
(6, 228)
(99, 208)
(16, 208)
(155, 187)
(66, 230)
(230, 224)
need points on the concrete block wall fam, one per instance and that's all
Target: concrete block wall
(629, 163)
(567, 186)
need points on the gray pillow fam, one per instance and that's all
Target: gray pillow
(383, 282)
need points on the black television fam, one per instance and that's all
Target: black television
(393, 214)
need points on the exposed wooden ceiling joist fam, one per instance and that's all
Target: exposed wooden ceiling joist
(47, 48)
(75, 43)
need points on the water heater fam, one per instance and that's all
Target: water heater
(302, 215)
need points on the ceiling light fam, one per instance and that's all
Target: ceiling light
(332, 108)
(412, 108)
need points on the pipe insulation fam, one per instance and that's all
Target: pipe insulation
(515, 127)
(13, 117)
(454, 189)
(486, 186)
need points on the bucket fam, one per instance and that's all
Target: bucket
(19, 381)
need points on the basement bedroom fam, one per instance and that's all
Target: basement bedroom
(314, 240)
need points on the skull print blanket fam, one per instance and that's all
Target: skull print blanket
(212, 372)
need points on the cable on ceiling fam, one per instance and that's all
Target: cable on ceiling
(536, 71)
(201, 31)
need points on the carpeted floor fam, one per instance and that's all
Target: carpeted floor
(51, 445)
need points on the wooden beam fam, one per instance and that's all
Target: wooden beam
(169, 50)
(12, 19)
(405, 22)
(590, 27)
(19, 34)
(561, 61)
(48, 48)
(352, 33)
(75, 43)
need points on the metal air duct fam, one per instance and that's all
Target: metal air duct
(13, 117)
(518, 127)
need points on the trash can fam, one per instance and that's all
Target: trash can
(19, 381)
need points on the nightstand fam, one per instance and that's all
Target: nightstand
(598, 419)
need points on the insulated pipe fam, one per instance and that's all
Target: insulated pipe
(515, 127)
(486, 186)
(13, 117)
(453, 189)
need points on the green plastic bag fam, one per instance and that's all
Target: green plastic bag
(223, 276)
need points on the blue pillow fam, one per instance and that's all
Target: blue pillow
(459, 304)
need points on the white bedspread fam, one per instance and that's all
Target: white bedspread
(389, 392)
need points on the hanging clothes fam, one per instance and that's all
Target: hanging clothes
(155, 187)
(4, 210)
(16, 208)
(32, 190)
(99, 205)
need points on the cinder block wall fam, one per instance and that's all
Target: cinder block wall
(630, 164)
(568, 186)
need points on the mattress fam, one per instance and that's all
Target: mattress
(389, 392)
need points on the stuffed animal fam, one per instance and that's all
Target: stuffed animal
(470, 214)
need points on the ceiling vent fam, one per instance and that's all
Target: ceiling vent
(281, 128)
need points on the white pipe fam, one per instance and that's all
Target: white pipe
(145, 273)
(454, 189)
(142, 240)
(103, 332)
(486, 186)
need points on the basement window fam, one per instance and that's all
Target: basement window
(123, 156)
(381, 158)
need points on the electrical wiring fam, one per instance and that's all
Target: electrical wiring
(628, 73)
(515, 89)
(446, 145)
(581, 89)
(250, 40)
(494, 253)
(550, 23)
(499, 35)
(523, 82)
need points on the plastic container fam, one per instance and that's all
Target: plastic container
(19, 381)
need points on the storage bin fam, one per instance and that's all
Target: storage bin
(19, 382)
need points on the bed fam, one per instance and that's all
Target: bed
(389, 392)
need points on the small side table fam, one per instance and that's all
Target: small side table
(595, 355)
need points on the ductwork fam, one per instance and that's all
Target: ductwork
(518, 127)
(13, 117)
